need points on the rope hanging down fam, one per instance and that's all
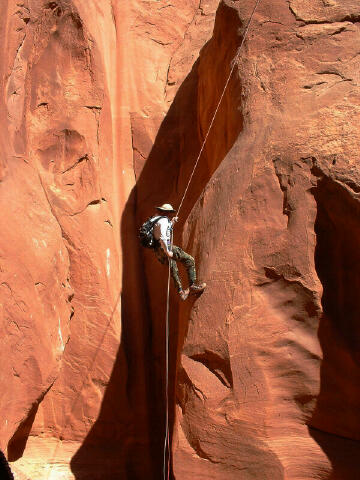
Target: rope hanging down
(167, 443)
(218, 106)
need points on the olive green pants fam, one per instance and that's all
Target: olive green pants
(179, 256)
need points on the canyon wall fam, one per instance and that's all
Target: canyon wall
(104, 108)
(268, 361)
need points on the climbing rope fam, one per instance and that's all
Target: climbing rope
(218, 106)
(166, 469)
(167, 444)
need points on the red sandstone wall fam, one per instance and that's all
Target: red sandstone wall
(99, 95)
(267, 366)
(79, 80)
(260, 390)
(60, 194)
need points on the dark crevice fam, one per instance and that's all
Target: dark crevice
(93, 107)
(350, 18)
(309, 87)
(94, 202)
(337, 257)
(342, 29)
(283, 173)
(80, 160)
(332, 72)
(335, 421)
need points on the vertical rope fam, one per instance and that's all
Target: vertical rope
(166, 468)
(218, 106)
(167, 443)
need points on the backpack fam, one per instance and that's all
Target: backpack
(146, 236)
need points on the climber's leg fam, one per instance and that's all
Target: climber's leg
(162, 257)
(189, 263)
(175, 275)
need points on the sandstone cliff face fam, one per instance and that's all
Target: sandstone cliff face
(266, 376)
(104, 107)
(61, 274)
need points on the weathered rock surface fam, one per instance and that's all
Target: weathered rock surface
(98, 96)
(267, 382)
(261, 389)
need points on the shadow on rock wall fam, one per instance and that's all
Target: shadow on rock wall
(5, 471)
(135, 451)
(166, 173)
(120, 454)
(335, 420)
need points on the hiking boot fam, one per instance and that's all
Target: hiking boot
(184, 294)
(197, 288)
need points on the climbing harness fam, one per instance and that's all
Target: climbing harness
(166, 469)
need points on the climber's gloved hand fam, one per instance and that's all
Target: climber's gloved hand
(170, 254)
(174, 220)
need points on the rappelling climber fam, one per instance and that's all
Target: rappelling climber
(156, 233)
